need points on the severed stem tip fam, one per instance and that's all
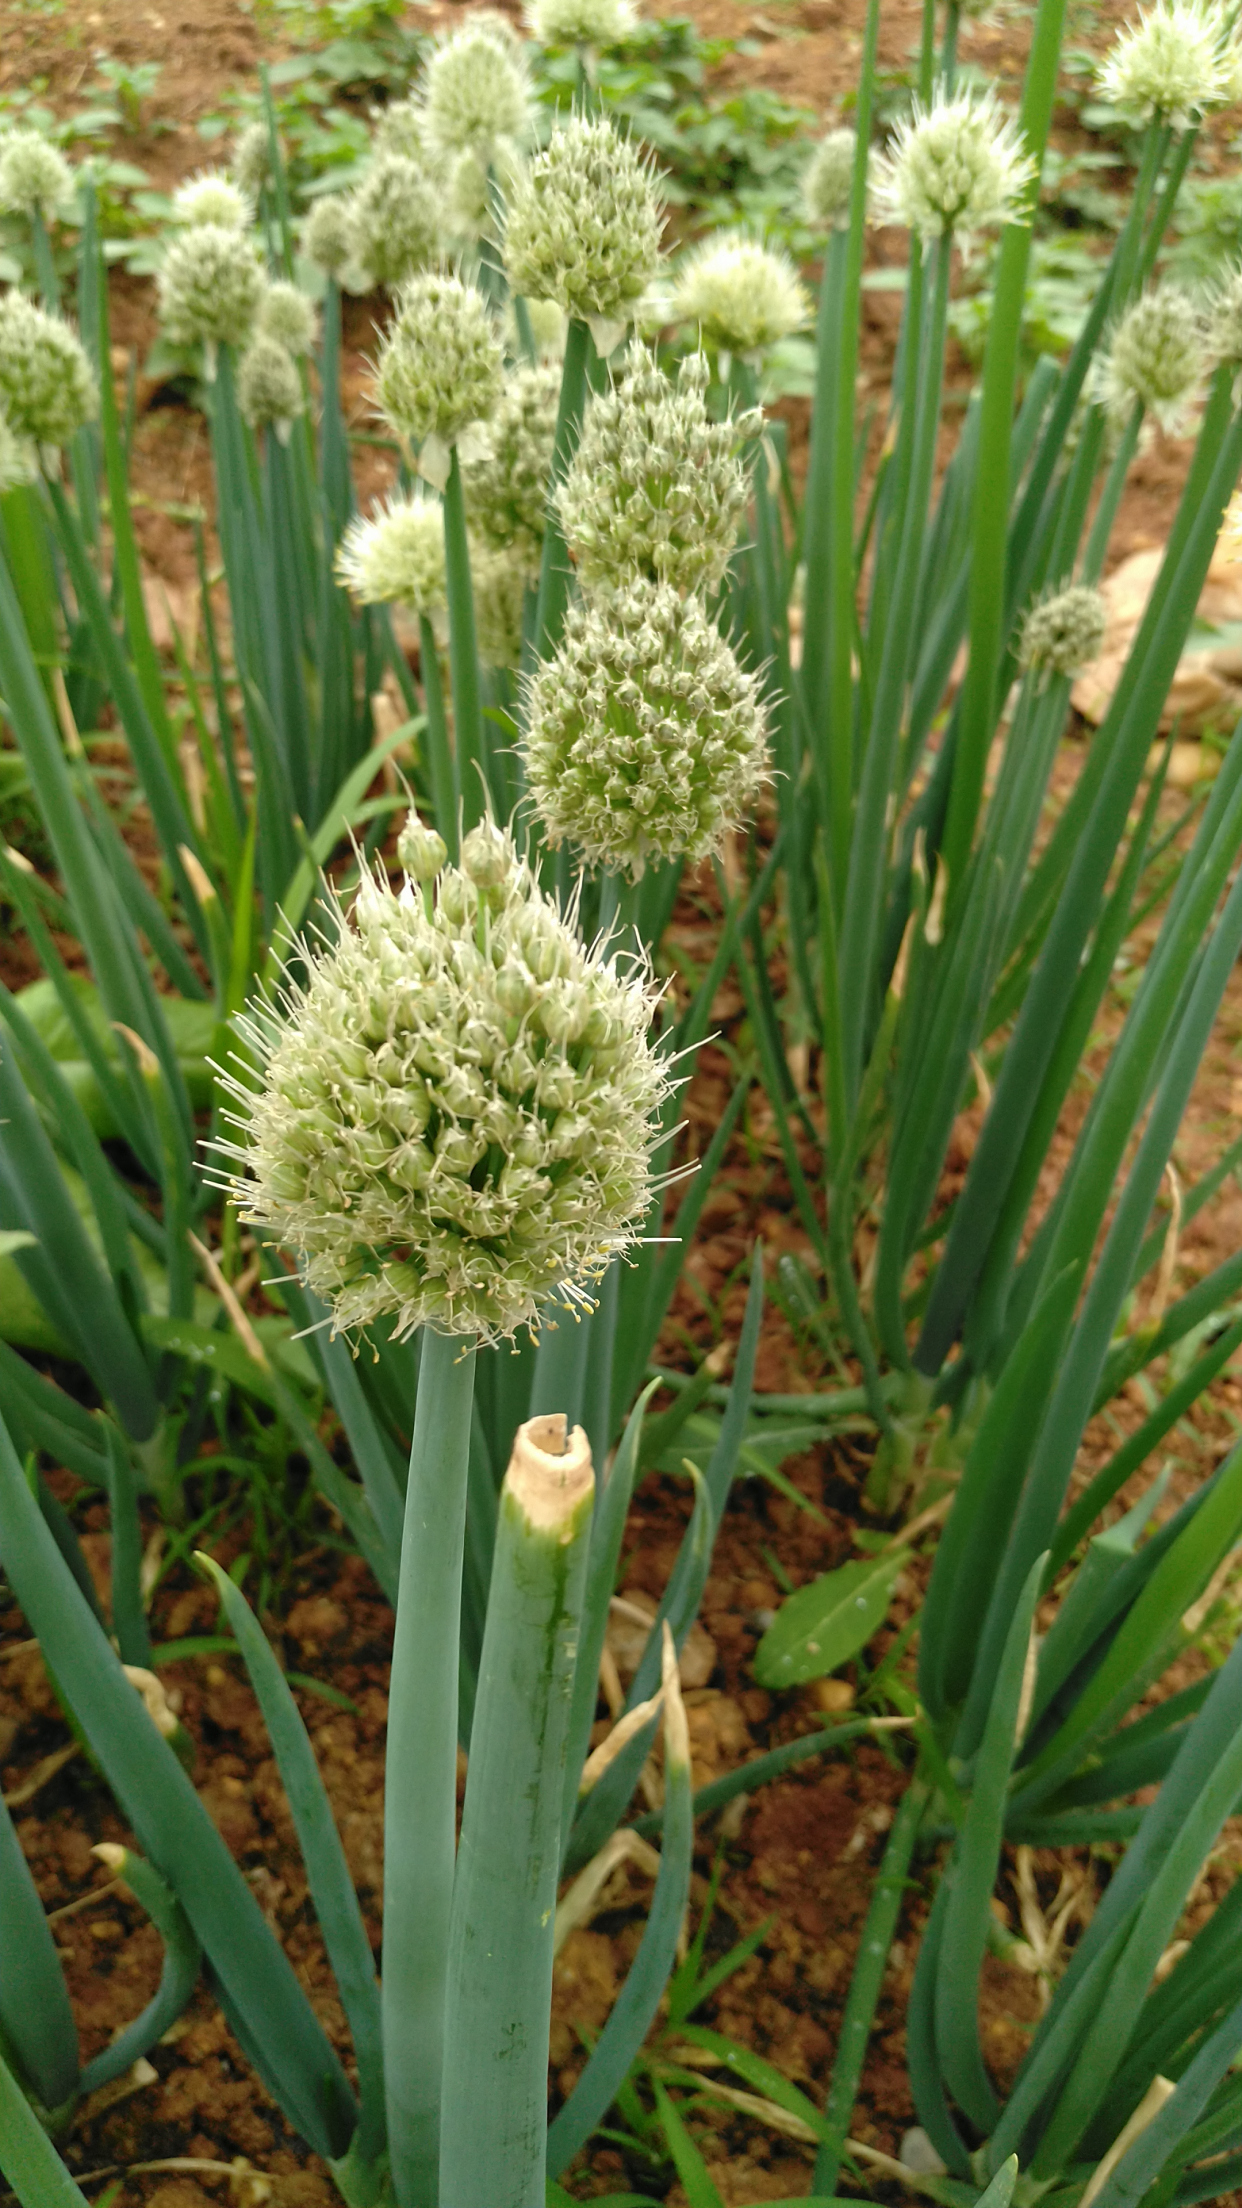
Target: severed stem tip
(550, 1471)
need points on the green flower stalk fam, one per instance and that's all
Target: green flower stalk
(645, 738)
(1158, 358)
(1176, 63)
(1064, 632)
(584, 226)
(286, 314)
(656, 488)
(394, 224)
(741, 296)
(954, 168)
(505, 463)
(35, 177)
(395, 556)
(455, 1111)
(476, 94)
(440, 368)
(209, 286)
(47, 385)
(269, 388)
(214, 199)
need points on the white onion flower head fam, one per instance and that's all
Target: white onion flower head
(584, 223)
(581, 22)
(441, 366)
(828, 181)
(1157, 356)
(35, 177)
(286, 314)
(1223, 320)
(252, 159)
(1064, 632)
(656, 487)
(328, 234)
(954, 168)
(210, 283)
(741, 296)
(395, 556)
(394, 223)
(505, 463)
(212, 197)
(454, 1113)
(269, 388)
(645, 739)
(476, 92)
(1177, 62)
(47, 384)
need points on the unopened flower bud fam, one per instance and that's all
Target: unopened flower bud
(828, 182)
(420, 850)
(269, 389)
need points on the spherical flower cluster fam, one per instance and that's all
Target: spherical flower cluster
(34, 177)
(645, 738)
(212, 198)
(286, 314)
(475, 89)
(1176, 62)
(47, 385)
(829, 181)
(396, 555)
(441, 366)
(210, 283)
(584, 223)
(454, 1118)
(328, 234)
(1064, 633)
(581, 22)
(505, 463)
(269, 388)
(1157, 357)
(394, 223)
(656, 487)
(252, 159)
(500, 581)
(955, 167)
(741, 296)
